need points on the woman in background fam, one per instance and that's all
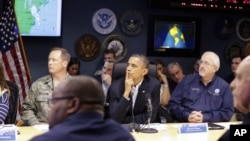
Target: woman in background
(74, 66)
(161, 75)
(163, 112)
(4, 96)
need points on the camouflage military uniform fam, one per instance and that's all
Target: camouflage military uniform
(35, 106)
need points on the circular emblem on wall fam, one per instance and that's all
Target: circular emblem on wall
(243, 29)
(104, 21)
(132, 22)
(117, 43)
(233, 49)
(87, 47)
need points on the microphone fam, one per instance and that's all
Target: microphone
(150, 108)
(133, 126)
(150, 111)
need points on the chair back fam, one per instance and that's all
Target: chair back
(119, 70)
(13, 103)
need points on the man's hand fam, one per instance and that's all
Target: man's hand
(195, 117)
(128, 85)
(107, 79)
(162, 76)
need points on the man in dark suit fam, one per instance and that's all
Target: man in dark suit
(128, 95)
(76, 114)
(105, 79)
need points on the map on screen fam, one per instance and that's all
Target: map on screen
(39, 17)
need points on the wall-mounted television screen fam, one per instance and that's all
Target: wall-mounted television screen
(39, 17)
(173, 36)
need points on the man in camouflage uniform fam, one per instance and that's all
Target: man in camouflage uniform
(35, 106)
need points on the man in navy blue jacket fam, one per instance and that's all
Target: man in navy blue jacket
(241, 90)
(76, 114)
(203, 97)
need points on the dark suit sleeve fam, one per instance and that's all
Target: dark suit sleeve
(155, 101)
(120, 107)
(153, 87)
(118, 104)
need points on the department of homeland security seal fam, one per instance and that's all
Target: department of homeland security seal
(104, 21)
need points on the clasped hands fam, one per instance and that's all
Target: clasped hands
(195, 117)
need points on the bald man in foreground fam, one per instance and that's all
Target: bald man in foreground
(203, 96)
(241, 92)
(76, 114)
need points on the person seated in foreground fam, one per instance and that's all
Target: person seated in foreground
(241, 91)
(128, 95)
(76, 114)
(203, 96)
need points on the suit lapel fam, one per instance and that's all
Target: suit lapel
(140, 99)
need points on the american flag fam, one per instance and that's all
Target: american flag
(12, 53)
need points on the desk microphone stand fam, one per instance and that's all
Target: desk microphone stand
(148, 129)
(149, 108)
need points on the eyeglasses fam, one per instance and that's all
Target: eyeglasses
(52, 100)
(205, 63)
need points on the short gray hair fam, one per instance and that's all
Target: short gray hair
(215, 58)
(64, 53)
(172, 64)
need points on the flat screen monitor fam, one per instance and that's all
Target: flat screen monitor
(173, 36)
(39, 17)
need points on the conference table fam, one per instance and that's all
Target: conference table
(166, 132)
